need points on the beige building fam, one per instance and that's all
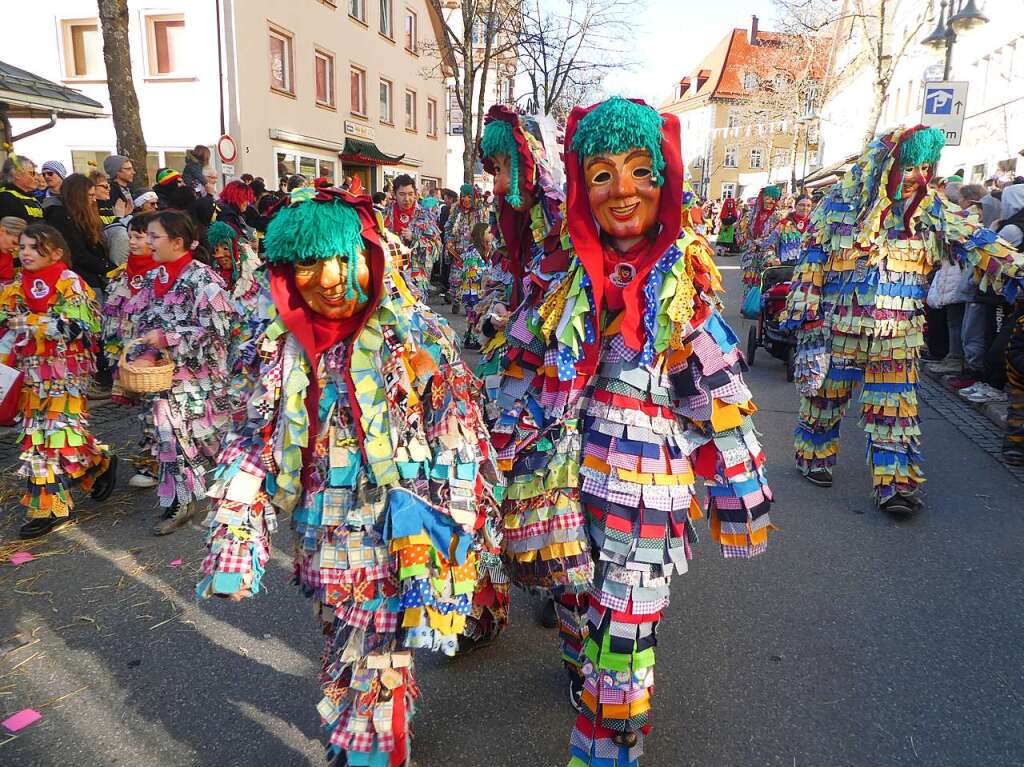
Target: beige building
(317, 87)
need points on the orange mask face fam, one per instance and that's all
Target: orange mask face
(503, 183)
(622, 194)
(323, 285)
(914, 177)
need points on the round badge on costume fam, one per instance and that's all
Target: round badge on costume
(39, 288)
(161, 274)
(622, 275)
(136, 282)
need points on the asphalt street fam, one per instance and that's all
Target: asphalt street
(854, 641)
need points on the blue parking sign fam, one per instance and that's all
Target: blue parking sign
(938, 101)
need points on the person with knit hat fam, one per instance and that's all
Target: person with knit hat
(363, 431)
(458, 237)
(121, 172)
(11, 228)
(53, 173)
(856, 304)
(183, 309)
(626, 388)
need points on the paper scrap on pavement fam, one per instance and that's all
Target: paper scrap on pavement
(21, 720)
(21, 557)
(176, 563)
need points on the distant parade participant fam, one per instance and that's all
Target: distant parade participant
(415, 225)
(857, 306)
(472, 276)
(621, 386)
(49, 330)
(363, 430)
(791, 230)
(183, 309)
(758, 240)
(727, 218)
(469, 212)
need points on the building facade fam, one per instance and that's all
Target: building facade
(326, 89)
(744, 112)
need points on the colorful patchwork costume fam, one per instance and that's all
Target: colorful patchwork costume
(857, 305)
(759, 238)
(50, 326)
(622, 384)
(366, 429)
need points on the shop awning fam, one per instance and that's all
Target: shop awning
(366, 153)
(27, 95)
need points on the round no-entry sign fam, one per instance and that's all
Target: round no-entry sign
(226, 148)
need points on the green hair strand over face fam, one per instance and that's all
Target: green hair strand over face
(498, 139)
(316, 230)
(618, 125)
(923, 146)
(773, 192)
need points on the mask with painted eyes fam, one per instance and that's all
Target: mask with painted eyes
(503, 183)
(327, 289)
(623, 196)
(914, 177)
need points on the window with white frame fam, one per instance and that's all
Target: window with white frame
(431, 117)
(732, 119)
(756, 159)
(83, 49)
(387, 18)
(357, 10)
(166, 46)
(323, 77)
(289, 162)
(749, 81)
(730, 157)
(357, 86)
(411, 32)
(728, 190)
(281, 78)
(387, 109)
(410, 110)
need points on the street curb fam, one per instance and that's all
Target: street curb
(993, 411)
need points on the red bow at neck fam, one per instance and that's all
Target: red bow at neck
(40, 286)
(167, 274)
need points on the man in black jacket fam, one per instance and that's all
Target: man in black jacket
(19, 182)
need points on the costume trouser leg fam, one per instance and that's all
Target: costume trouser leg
(1013, 443)
(571, 612)
(890, 419)
(182, 459)
(817, 431)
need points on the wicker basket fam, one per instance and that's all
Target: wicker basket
(134, 378)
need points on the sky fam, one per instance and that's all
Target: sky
(674, 36)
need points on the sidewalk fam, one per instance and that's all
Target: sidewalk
(993, 411)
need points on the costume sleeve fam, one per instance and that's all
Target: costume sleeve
(247, 477)
(722, 446)
(210, 324)
(997, 264)
(76, 314)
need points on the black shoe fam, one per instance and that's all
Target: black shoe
(546, 617)
(105, 482)
(469, 644)
(902, 505)
(40, 526)
(819, 477)
(174, 516)
(576, 691)
(1013, 459)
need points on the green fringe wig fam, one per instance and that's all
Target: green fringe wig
(498, 139)
(220, 233)
(618, 125)
(316, 230)
(922, 146)
(772, 191)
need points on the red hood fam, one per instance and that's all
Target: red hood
(895, 178)
(584, 232)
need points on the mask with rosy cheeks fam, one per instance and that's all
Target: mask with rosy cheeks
(914, 177)
(623, 196)
(222, 255)
(503, 183)
(324, 285)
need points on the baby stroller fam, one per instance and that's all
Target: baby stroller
(766, 332)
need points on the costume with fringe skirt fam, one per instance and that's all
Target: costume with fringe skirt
(379, 452)
(196, 315)
(612, 406)
(857, 306)
(53, 339)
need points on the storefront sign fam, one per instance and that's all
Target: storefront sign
(358, 130)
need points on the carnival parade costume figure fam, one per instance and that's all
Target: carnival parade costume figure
(365, 428)
(758, 242)
(418, 230)
(469, 212)
(521, 153)
(621, 386)
(857, 306)
(790, 231)
(727, 224)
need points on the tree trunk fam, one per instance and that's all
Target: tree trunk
(468, 123)
(124, 103)
(875, 114)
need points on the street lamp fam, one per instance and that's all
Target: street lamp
(963, 15)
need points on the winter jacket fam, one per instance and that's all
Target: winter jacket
(193, 175)
(14, 202)
(1011, 216)
(1015, 346)
(88, 259)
